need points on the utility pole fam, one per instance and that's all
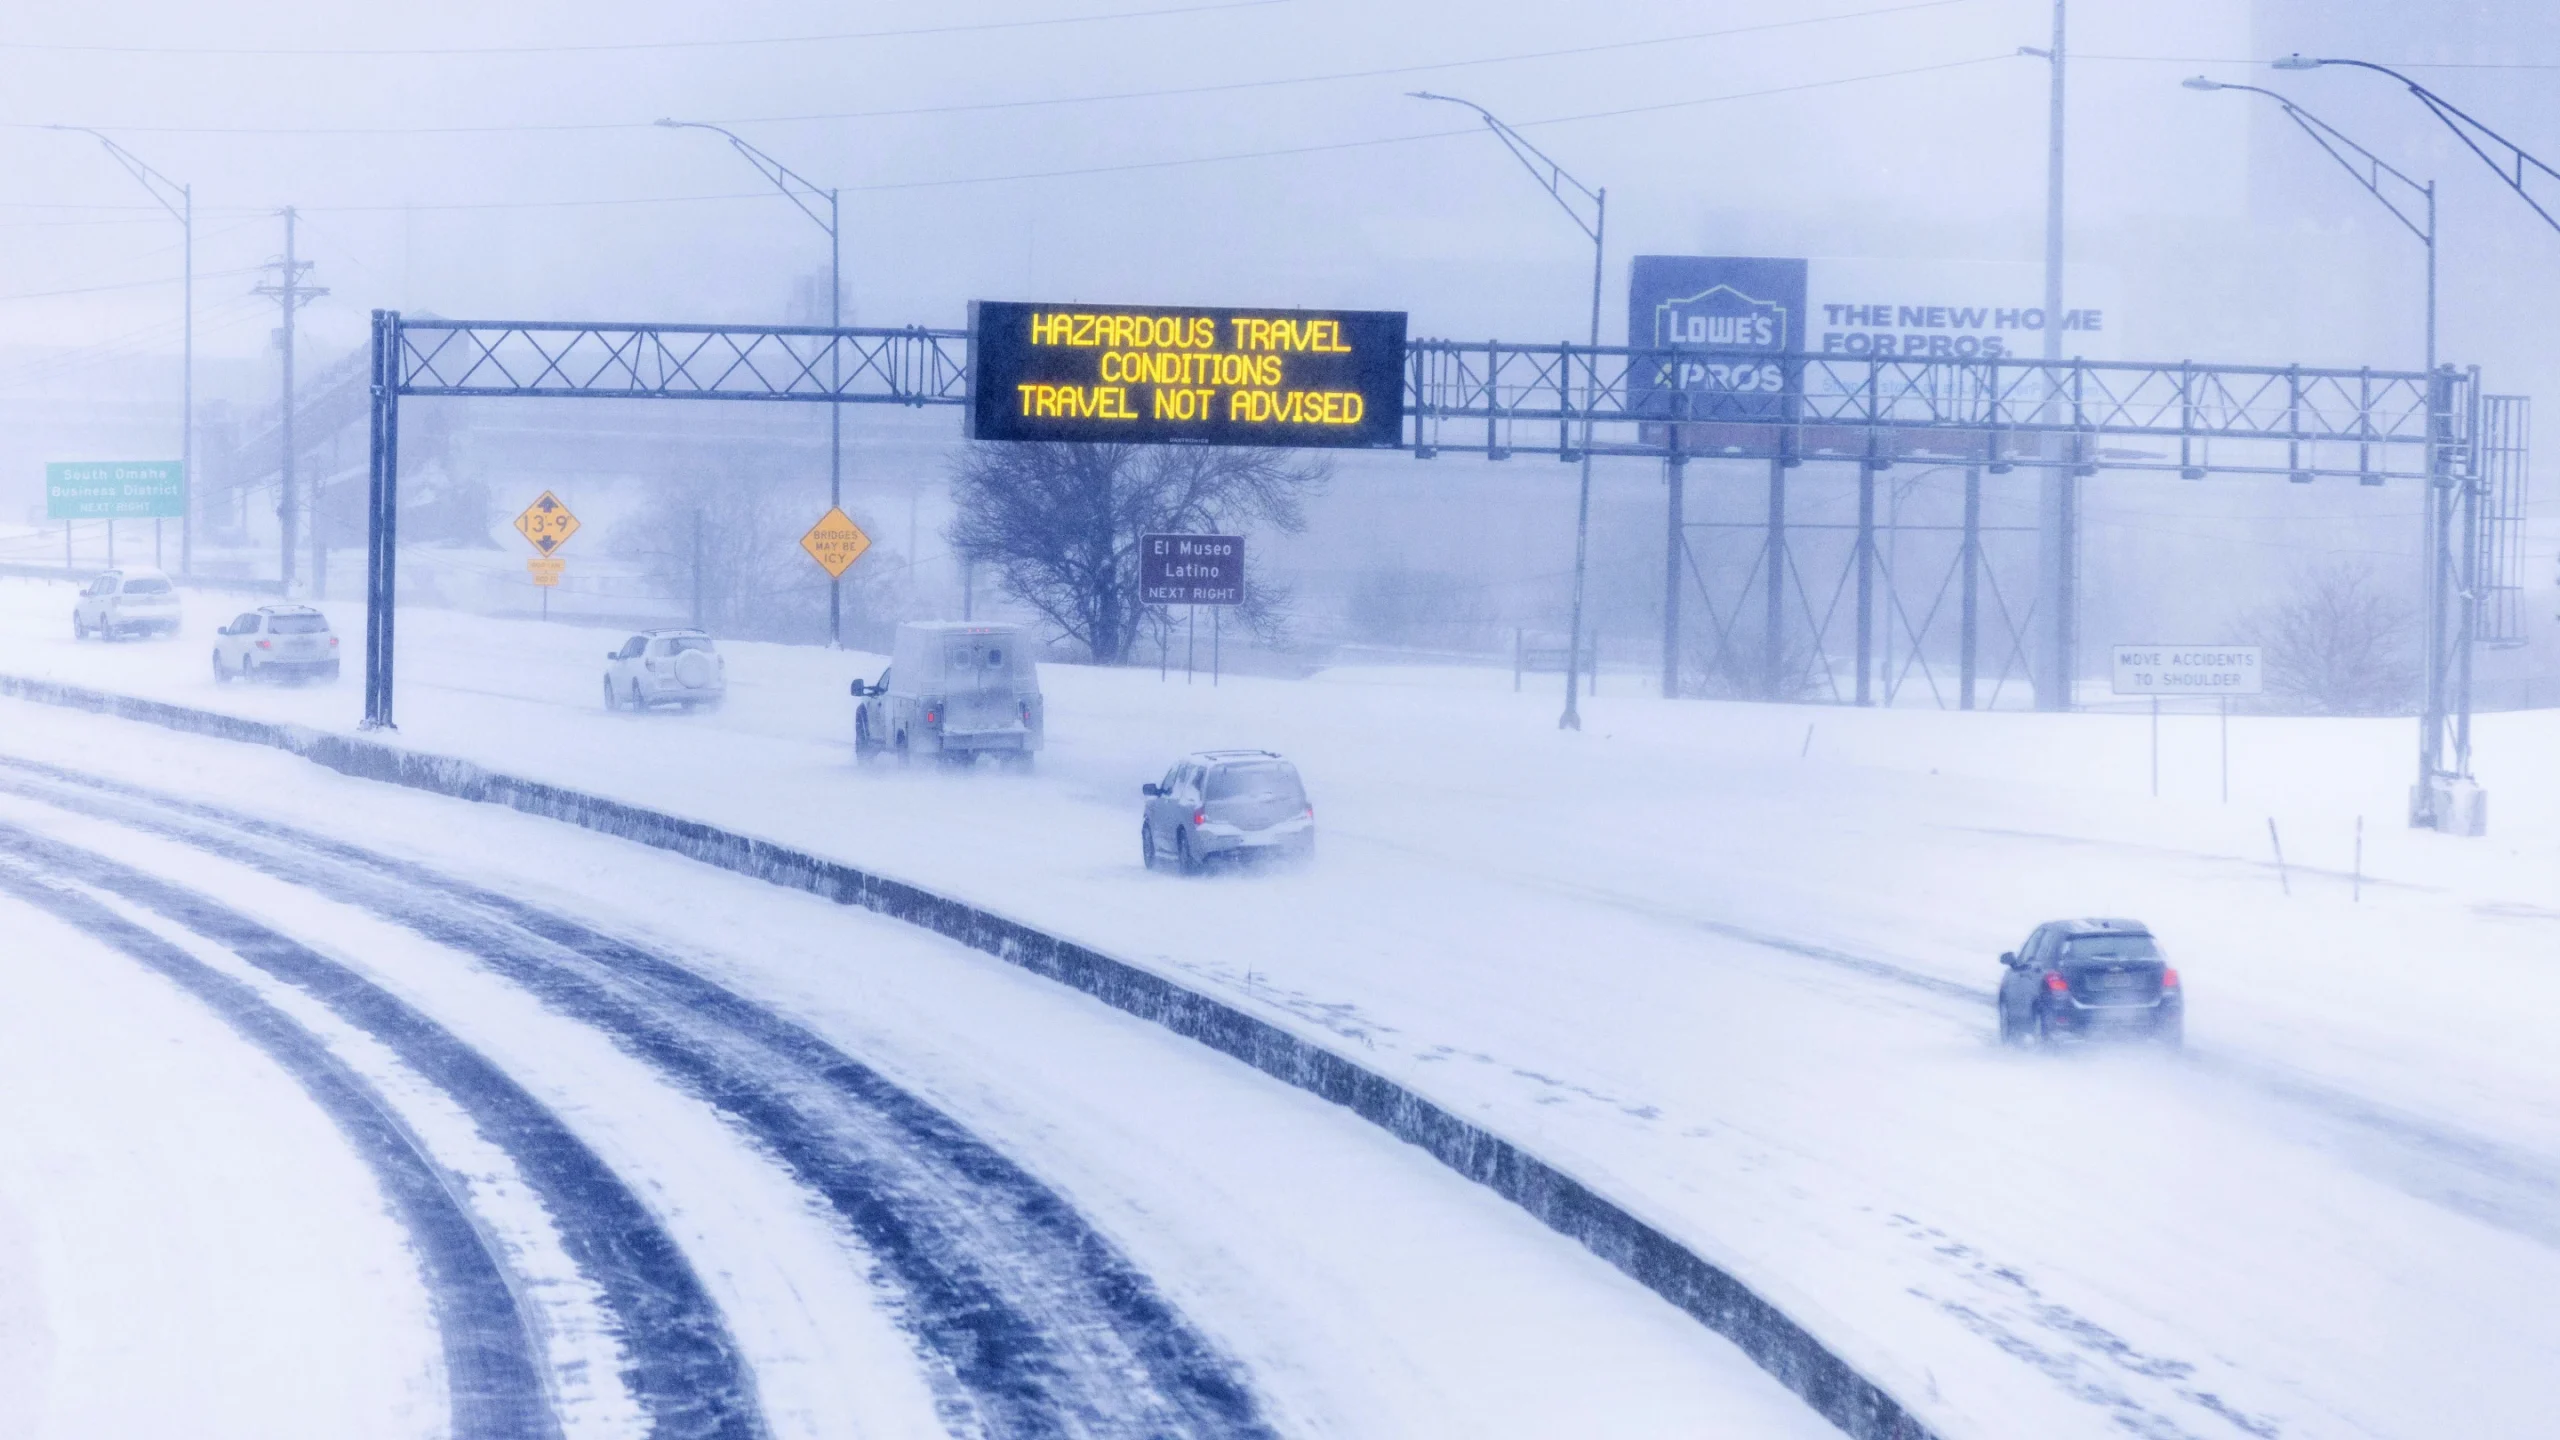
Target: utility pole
(291, 295)
(2058, 517)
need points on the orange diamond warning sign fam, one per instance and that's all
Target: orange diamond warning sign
(547, 523)
(835, 542)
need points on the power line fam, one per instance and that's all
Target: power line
(978, 27)
(127, 284)
(983, 106)
(1178, 161)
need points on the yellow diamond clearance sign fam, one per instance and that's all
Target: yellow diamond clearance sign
(547, 523)
(835, 542)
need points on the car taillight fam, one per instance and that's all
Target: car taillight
(1199, 817)
(2169, 978)
(932, 717)
(266, 644)
(333, 642)
(1311, 812)
(2056, 983)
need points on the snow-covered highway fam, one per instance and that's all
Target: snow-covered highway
(943, 1197)
(1735, 989)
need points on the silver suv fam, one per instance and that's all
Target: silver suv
(680, 667)
(276, 642)
(130, 601)
(1232, 803)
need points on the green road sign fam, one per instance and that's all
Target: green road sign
(115, 489)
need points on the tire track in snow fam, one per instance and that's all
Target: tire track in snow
(681, 1364)
(493, 1371)
(1037, 1326)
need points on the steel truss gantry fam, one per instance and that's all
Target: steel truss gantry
(1989, 414)
(1498, 399)
(535, 359)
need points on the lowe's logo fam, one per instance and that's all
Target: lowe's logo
(1723, 317)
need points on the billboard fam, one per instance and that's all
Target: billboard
(1740, 315)
(115, 490)
(1169, 374)
(1191, 569)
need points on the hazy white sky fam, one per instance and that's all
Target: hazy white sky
(483, 159)
(501, 184)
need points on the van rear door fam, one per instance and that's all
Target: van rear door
(977, 672)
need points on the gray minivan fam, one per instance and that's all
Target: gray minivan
(955, 690)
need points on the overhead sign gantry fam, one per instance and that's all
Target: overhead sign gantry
(1497, 399)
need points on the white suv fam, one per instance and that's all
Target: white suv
(132, 601)
(276, 642)
(678, 666)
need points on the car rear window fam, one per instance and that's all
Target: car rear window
(297, 624)
(146, 585)
(2112, 947)
(678, 644)
(1264, 780)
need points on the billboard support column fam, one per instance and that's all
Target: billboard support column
(1773, 661)
(1866, 562)
(1968, 661)
(1675, 541)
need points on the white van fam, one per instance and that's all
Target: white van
(955, 690)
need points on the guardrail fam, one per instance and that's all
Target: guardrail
(245, 584)
(1649, 1255)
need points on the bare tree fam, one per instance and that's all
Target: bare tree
(2341, 643)
(1060, 523)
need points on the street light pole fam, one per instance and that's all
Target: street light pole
(2397, 192)
(2514, 166)
(1552, 176)
(2413, 204)
(806, 196)
(184, 212)
(2511, 164)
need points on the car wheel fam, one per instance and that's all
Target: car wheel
(220, 675)
(906, 755)
(79, 630)
(2173, 1036)
(611, 700)
(1183, 859)
(637, 704)
(2044, 1030)
(1147, 844)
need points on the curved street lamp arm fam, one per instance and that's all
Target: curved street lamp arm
(1549, 175)
(814, 200)
(2369, 169)
(2511, 164)
(160, 186)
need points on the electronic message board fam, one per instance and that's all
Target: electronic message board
(1163, 374)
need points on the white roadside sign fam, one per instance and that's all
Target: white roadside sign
(2188, 670)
